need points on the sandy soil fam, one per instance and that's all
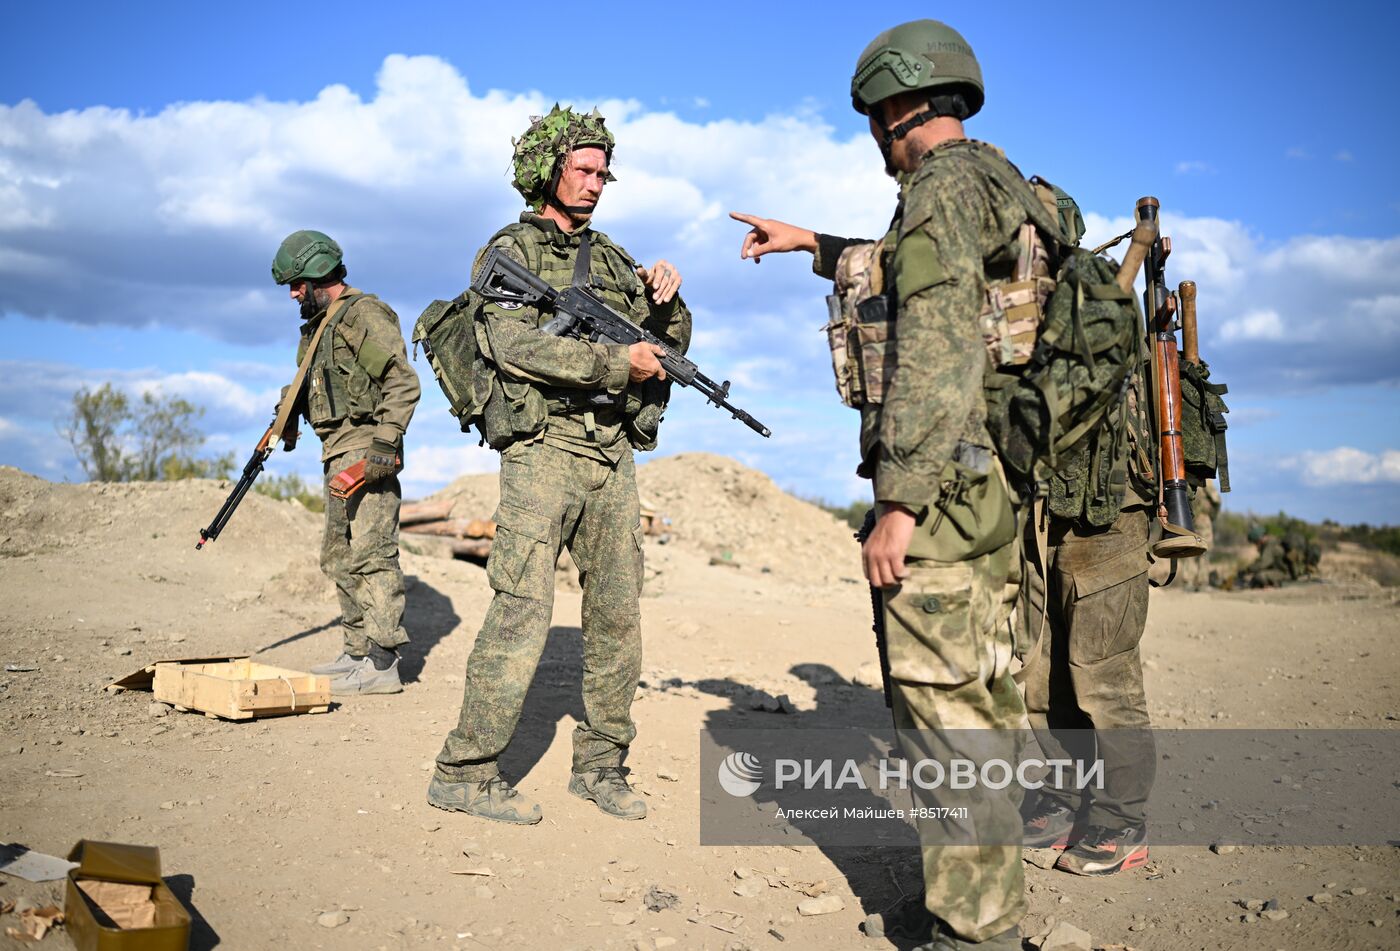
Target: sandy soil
(265, 826)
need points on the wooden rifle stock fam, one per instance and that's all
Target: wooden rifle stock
(1179, 538)
(1190, 343)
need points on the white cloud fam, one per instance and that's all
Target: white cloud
(1313, 310)
(1255, 325)
(429, 468)
(1194, 167)
(1347, 466)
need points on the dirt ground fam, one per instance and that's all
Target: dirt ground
(264, 826)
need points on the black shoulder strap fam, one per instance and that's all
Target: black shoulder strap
(583, 262)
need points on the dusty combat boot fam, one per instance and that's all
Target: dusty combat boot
(1104, 851)
(607, 786)
(365, 678)
(491, 799)
(342, 664)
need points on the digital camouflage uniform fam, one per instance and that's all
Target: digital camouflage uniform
(360, 387)
(567, 481)
(947, 623)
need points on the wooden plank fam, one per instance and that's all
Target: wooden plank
(456, 528)
(414, 512)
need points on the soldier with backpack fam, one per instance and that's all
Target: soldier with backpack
(359, 397)
(1082, 615)
(566, 414)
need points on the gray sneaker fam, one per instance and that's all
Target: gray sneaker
(492, 799)
(364, 678)
(342, 664)
(607, 786)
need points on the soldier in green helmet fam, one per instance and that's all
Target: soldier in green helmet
(947, 591)
(359, 398)
(566, 414)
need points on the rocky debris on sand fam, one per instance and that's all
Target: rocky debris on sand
(750, 888)
(1222, 849)
(612, 892)
(1066, 937)
(825, 905)
(659, 899)
(332, 919)
(158, 709)
(1040, 858)
(1322, 898)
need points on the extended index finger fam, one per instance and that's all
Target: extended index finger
(747, 219)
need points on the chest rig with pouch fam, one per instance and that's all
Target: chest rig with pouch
(344, 381)
(970, 513)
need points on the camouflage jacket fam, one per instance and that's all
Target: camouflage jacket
(953, 219)
(565, 368)
(360, 385)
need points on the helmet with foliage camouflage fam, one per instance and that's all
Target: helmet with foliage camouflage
(1256, 532)
(549, 140)
(921, 54)
(305, 256)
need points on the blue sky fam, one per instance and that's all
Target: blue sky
(152, 155)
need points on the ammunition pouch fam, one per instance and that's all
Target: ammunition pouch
(1203, 425)
(860, 326)
(972, 515)
(514, 411)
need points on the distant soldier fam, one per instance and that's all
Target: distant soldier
(1270, 568)
(1194, 573)
(360, 395)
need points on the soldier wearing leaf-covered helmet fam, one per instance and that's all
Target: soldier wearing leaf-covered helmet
(943, 551)
(566, 415)
(359, 397)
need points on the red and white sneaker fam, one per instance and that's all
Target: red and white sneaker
(1103, 851)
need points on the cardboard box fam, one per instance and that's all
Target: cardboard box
(104, 867)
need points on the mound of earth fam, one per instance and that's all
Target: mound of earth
(721, 509)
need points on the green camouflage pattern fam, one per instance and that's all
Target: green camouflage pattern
(559, 369)
(553, 499)
(1084, 669)
(305, 255)
(360, 553)
(950, 651)
(954, 230)
(549, 139)
(360, 386)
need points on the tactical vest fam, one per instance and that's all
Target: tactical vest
(343, 380)
(519, 409)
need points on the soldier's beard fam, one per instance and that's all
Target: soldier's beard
(317, 300)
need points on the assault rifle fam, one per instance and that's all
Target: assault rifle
(582, 313)
(250, 473)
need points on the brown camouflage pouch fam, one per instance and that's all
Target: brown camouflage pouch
(860, 328)
(1011, 317)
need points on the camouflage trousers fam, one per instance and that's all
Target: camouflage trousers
(1083, 685)
(947, 627)
(550, 499)
(360, 553)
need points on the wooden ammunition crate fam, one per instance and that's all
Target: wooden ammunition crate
(241, 689)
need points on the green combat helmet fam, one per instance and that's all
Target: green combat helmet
(305, 256)
(920, 54)
(540, 152)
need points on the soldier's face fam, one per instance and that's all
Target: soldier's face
(313, 300)
(581, 183)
